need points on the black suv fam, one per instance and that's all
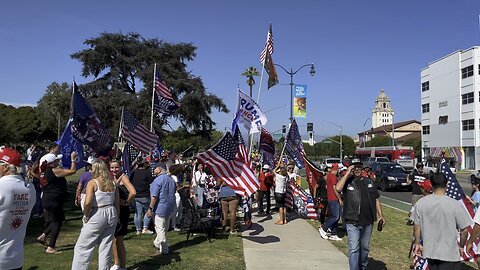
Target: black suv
(389, 175)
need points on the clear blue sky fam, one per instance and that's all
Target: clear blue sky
(358, 48)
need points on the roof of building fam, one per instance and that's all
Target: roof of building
(388, 128)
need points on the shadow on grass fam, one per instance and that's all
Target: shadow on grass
(157, 261)
(188, 243)
(377, 265)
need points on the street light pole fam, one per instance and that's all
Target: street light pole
(291, 73)
(364, 132)
(340, 131)
(393, 132)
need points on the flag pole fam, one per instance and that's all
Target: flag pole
(120, 126)
(71, 101)
(263, 69)
(153, 97)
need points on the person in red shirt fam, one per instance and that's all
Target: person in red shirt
(334, 204)
(266, 182)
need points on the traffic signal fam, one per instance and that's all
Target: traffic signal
(309, 127)
(284, 129)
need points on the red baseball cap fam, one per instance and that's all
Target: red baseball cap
(10, 156)
(335, 166)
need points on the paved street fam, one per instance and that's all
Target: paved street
(401, 198)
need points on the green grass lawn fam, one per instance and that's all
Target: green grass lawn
(224, 252)
(388, 248)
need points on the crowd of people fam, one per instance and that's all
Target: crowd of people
(154, 188)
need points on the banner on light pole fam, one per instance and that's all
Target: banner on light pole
(300, 101)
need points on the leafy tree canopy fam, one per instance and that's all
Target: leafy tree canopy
(119, 62)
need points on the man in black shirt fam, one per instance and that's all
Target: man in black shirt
(417, 192)
(361, 209)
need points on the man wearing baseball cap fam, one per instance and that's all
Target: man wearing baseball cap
(361, 208)
(18, 198)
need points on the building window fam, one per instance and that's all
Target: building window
(443, 120)
(425, 130)
(467, 98)
(425, 86)
(467, 72)
(468, 124)
(425, 108)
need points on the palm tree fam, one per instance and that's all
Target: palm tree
(249, 73)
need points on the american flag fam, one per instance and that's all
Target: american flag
(267, 148)
(455, 191)
(294, 190)
(161, 87)
(129, 158)
(87, 128)
(242, 150)
(420, 263)
(268, 46)
(294, 145)
(136, 134)
(226, 163)
(163, 102)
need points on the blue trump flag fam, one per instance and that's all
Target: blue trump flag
(87, 128)
(294, 145)
(68, 144)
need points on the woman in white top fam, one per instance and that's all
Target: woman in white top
(281, 177)
(200, 177)
(101, 206)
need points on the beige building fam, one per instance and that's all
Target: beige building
(382, 113)
(400, 132)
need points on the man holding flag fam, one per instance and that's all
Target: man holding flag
(438, 218)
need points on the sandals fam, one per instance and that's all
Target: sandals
(53, 251)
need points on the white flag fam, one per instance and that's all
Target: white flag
(251, 116)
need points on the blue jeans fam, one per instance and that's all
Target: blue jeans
(333, 218)
(358, 245)
(141, 207)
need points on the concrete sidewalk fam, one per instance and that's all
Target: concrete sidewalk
(296, 245)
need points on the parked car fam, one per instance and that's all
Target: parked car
(327, 163)
(389, 175)
(370, 160)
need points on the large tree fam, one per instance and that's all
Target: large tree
(54, 109)
(119, 62)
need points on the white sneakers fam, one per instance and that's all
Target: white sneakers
(323, 233)
(147, 231)
(326, 236)
(334, 238)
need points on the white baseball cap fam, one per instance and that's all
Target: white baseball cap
(49, 158)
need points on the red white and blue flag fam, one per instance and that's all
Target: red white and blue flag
(267, 148)
(454, 191)
(136, 134)
(303, 202)
(267, 60)
(294, 145)
(226, 163)
(163, 102)
(87, 128)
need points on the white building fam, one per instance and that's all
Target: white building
(451, 108)
(382, 113)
